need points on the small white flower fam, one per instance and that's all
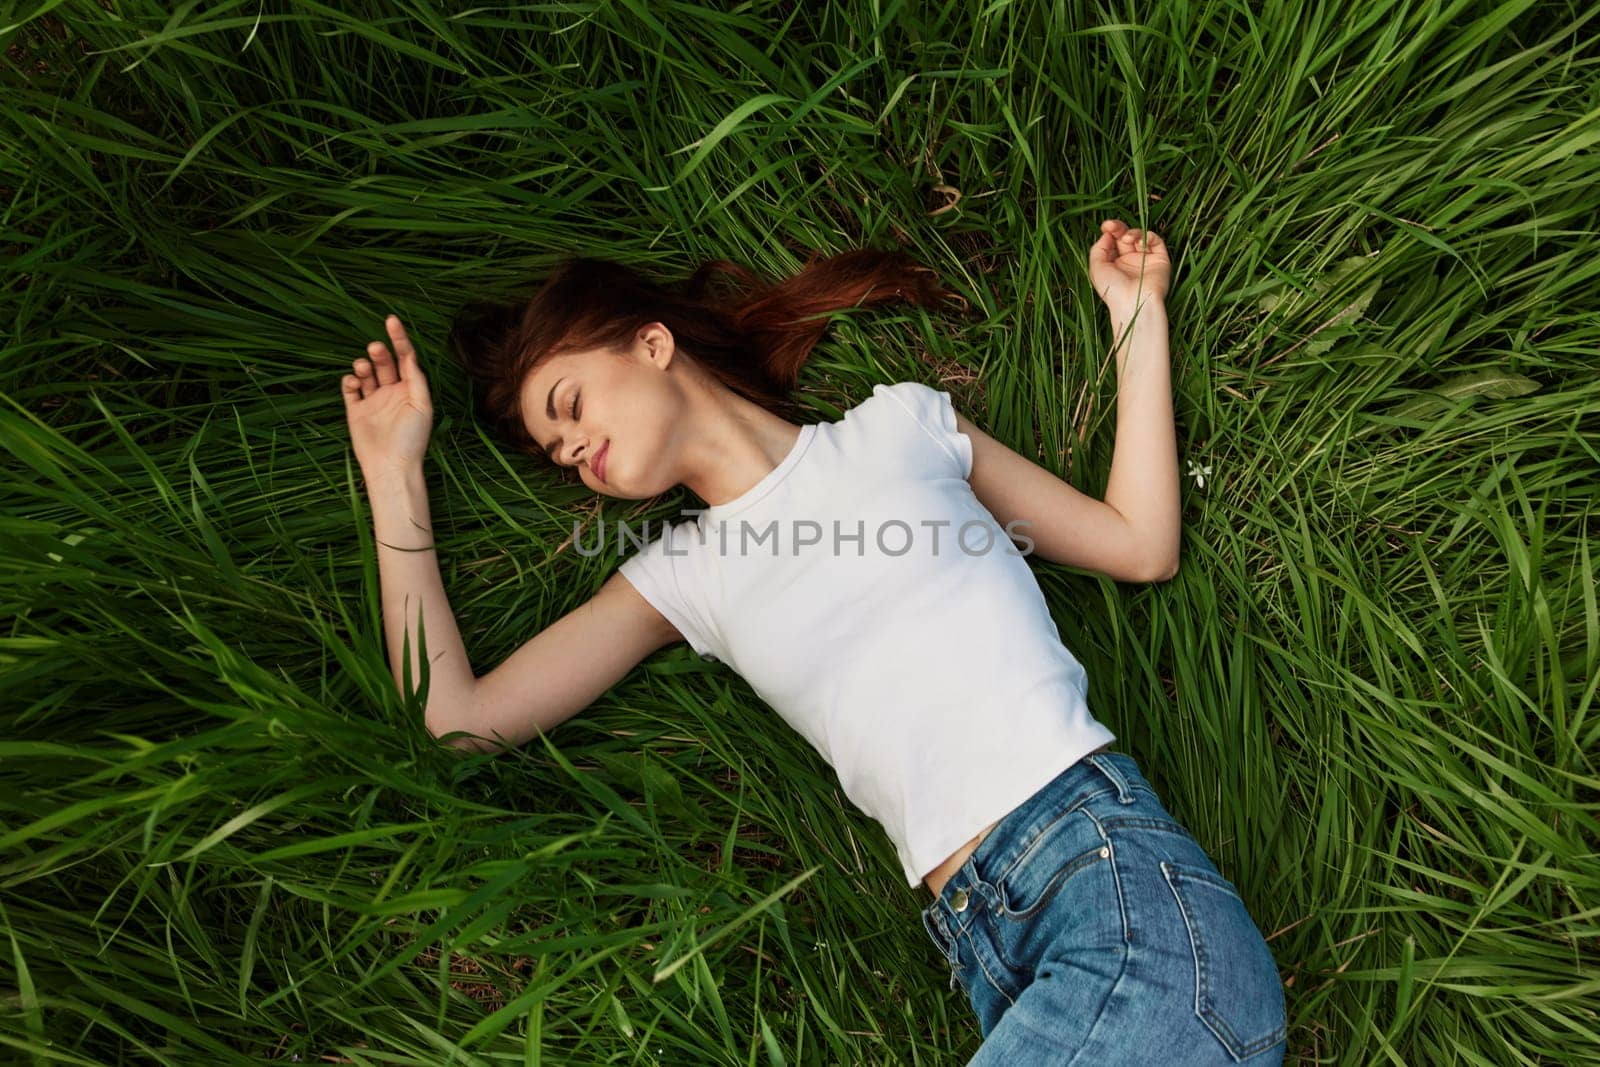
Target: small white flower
(1199, 473)
(819, 946)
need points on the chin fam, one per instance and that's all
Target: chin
(606, 488)
(617, 492)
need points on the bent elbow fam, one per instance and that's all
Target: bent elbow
(461, 741)
(466, 742)
(1166, 571)
(438, 731)
(469, 743)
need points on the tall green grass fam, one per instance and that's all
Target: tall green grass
(1370, 690)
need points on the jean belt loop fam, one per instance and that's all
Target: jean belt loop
(1118, 779)
(933, 932)
(945, 939)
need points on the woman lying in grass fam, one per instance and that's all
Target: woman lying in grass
(862, 576)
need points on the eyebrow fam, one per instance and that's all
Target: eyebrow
(550, 410)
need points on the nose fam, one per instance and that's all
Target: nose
(578, 451)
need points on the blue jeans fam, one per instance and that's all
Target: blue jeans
(1089, 928)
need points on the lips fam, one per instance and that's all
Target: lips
(599, 463)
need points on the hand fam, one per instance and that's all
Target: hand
(387, 405)
(1126, 266)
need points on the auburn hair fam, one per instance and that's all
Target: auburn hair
(753, 340)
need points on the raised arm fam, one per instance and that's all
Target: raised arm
(1133, 534)
(549, 679)
(553, 676)
(410, 587)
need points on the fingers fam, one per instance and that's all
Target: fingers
(382, 368)
(383, 364)
(1118, 239)
(402, 344)
(369, 371)
(1136, 240)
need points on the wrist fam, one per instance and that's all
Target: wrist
(392, 476)
(1121, 309)
(398, 499)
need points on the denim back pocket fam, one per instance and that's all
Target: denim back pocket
(1238, 993)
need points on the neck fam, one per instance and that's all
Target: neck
(737, 443)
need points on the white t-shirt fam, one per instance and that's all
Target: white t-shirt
(864, 592)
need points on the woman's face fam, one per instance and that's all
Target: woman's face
(615, 417)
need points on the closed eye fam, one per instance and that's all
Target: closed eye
(550, 451)
(572, 413)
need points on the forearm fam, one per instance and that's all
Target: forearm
(410, 582)
(1143, 484)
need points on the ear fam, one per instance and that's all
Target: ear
(656, 344)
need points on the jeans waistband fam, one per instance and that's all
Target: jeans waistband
(1096, 773)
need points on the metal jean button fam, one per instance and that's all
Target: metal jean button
(958, 900)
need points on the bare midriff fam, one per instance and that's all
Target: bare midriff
(936, 878)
